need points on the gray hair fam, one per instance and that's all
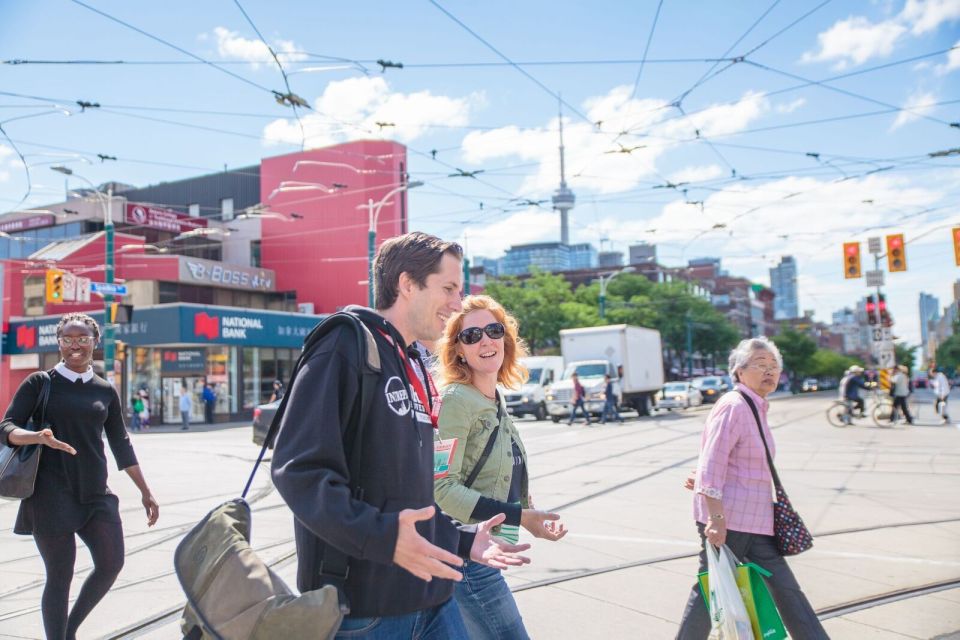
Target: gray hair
(743, 352)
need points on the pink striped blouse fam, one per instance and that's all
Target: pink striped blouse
(733, 466)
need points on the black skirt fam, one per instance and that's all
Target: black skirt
(53, 509)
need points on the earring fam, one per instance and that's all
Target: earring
(462, 359)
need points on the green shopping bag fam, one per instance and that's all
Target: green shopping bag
(763, 613)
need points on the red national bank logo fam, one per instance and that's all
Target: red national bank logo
(206, 326)
(26, 337)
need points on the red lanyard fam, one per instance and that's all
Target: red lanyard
(417, 385)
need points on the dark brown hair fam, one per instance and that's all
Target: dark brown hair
(418, 254)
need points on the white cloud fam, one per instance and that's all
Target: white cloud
(350, 109)
(856, 39)
(790, 107)
(598, 160)
(918, 104)
(530, 225)
(927, 15)
(698, 174)
(232, 46)
(953, 60)
(6, 155)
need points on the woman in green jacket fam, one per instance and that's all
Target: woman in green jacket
(487, 472)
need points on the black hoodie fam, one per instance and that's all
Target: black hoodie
(311, 473)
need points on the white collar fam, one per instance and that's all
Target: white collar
(73, 376)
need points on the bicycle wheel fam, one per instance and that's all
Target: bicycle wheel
(837, 414)
(882, 412)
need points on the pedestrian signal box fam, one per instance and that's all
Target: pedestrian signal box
(54, 289)
(896, 253)
(851, 260)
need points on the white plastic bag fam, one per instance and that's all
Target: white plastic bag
(728, 615)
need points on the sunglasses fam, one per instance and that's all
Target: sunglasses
(83, 341)
(494, 331)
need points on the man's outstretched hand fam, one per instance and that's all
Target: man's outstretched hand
(493, 551)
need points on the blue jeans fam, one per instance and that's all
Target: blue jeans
(439, 623)
(488, 608)
(579, 405)
(610, 411)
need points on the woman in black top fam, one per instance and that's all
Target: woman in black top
(71, 495)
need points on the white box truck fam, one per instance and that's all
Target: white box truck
(530, 399)
(632, 356)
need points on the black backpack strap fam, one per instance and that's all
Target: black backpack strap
(487, 449)
(766, 449)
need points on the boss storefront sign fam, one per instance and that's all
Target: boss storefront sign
(144, 215)
(207, 272)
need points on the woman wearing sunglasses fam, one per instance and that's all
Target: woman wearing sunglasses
(487, 473)
(70, 496)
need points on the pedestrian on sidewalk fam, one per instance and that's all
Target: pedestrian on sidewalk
(136, 406)
(209, 397)
(402, 553)
(186, 406)
(277, 391)
(578, 397)
(488, 472)
(70, 496)
(733, 487)
(941, 391)
(610, 410)
(145, 412)
(900, 390)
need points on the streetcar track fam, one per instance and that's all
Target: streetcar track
(170, 615)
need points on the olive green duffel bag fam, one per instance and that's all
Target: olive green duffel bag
(233, 595)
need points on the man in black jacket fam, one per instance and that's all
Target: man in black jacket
(402, 550)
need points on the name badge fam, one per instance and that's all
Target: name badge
(442, 455)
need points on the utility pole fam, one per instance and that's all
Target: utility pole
(689, 323)
(109, 342)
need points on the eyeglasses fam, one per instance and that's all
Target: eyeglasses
(773, 368)
(494, 331)
(83, 341)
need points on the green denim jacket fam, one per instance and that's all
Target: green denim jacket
(469, 416)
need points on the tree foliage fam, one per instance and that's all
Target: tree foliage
(905, 354)
(797, 350)
(825, 363)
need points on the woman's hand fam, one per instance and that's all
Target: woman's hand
(45, 437)
(691, 480)
(716, 531)
(152, 508)
(542, 524)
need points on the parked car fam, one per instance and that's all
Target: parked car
(810, 384)
(711, 387)
(262, 417)
(530, 399)
(679, 395)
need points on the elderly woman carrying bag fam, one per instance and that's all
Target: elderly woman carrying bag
(733, 501)
(488, 468)
(71, 497)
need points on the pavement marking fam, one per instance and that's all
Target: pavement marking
(888, 558)
(611, 538)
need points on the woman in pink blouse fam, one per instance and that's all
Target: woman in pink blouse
(733, 486)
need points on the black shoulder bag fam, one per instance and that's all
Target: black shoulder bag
(791, 534)
(487, 449)
(19, 463)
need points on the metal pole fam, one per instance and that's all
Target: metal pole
(689, 324)
(466, 275)
(109, 343)
(603, 297)
(371, 250)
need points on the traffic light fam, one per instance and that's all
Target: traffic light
(121, 313)
(896, 253)
(885, 319)
(956, 244)
(871, 309)
(851, 260)
(54, 286)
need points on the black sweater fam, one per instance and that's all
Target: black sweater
(78, 414)
(311, 473)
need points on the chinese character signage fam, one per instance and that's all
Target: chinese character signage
(145, 215)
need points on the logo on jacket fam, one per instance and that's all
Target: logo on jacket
(26, 337)
(397, 396)
(206, 326)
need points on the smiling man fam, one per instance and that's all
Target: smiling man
(402, 551)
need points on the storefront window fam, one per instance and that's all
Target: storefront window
(218, 375)
(268, 373)
(144, 376)
(251, 377)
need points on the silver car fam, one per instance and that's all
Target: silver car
(679, 395)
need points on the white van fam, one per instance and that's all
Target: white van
(531, 398)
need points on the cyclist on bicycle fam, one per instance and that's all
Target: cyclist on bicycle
(850, 386)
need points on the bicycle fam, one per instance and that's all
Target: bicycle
(839, 413)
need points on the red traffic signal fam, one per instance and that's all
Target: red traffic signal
(885, 319)
(871, 309)
(896, 253)
(851, 260)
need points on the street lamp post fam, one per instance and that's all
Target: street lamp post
(373, 213)
(106, 200)
(604, 281)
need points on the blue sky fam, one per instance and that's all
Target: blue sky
(774, 163)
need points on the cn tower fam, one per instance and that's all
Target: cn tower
(563, 198)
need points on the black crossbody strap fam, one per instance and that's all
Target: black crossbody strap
(756, 416)
(487, 449)
(43, 399)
